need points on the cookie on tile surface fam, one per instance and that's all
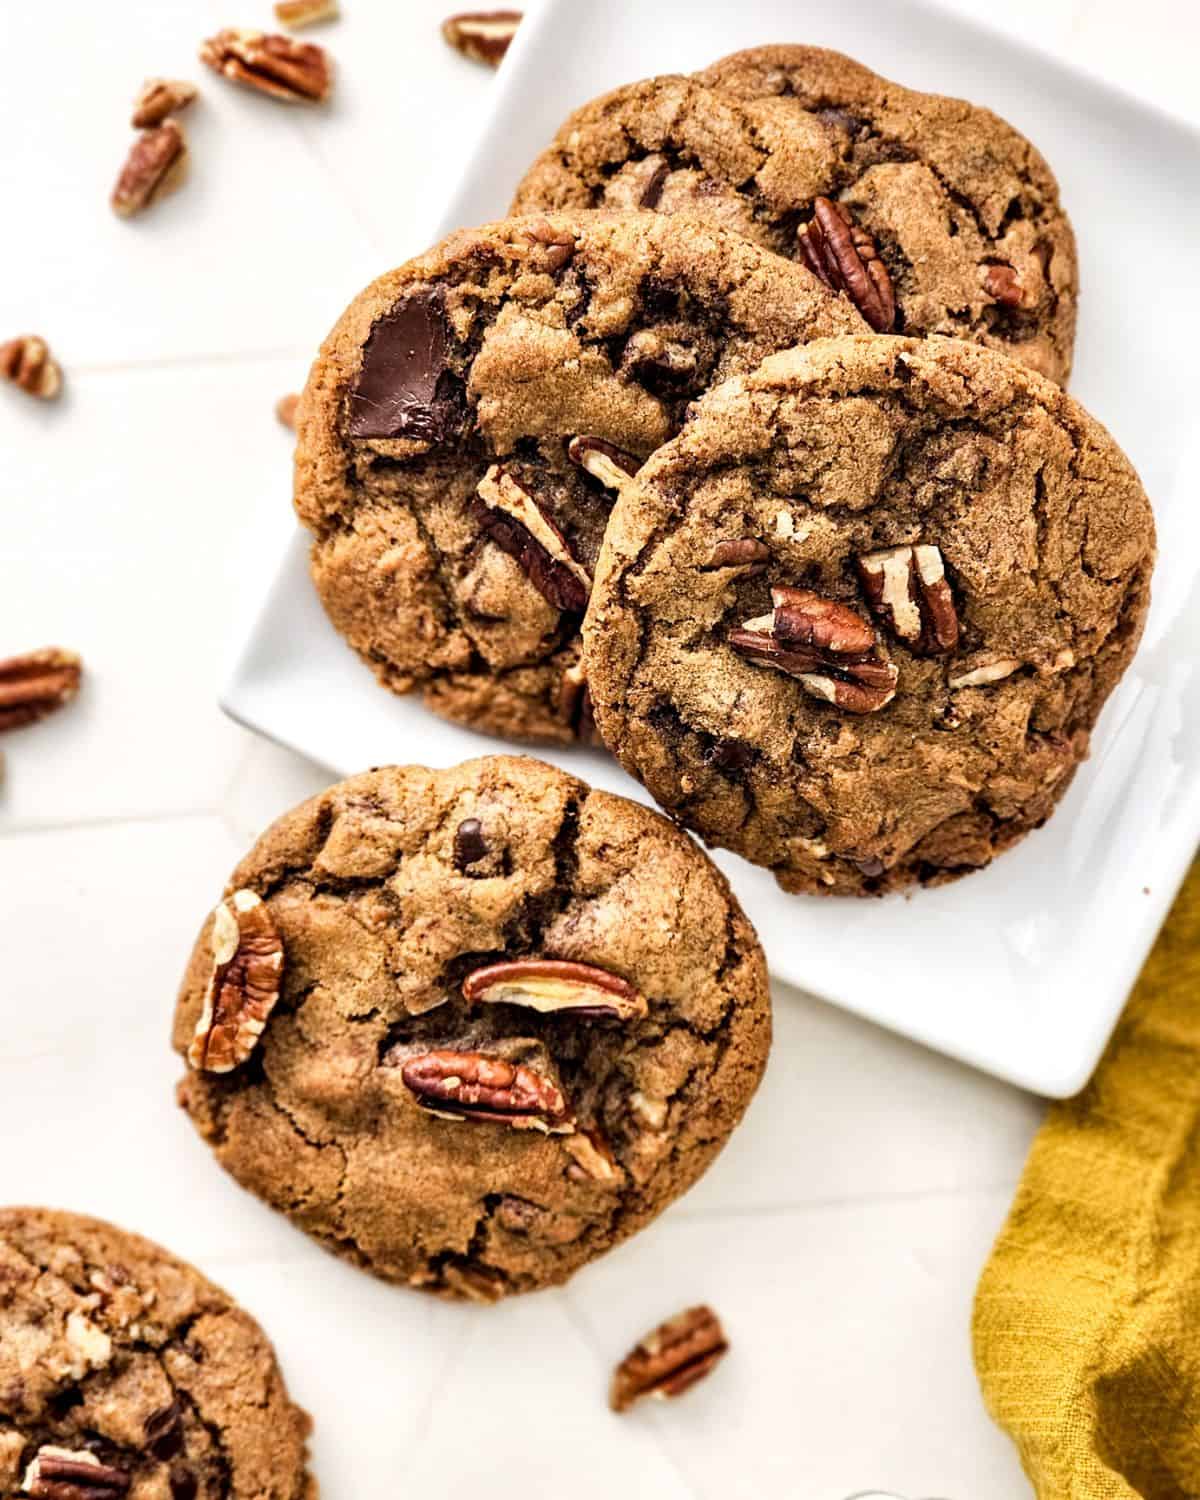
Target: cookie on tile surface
(513, 1020)
(125, 1373)
(933, 214)
(454, 537)
(857, 621)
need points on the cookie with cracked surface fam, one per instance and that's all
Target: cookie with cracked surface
(933, 214)
(857, 621)
(515, 1018)
(454, 536)
(125, 1373)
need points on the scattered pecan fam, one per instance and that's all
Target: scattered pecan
(153, 168)
(470, 846)
(482, 35)
(671, 1359)
(514, 520)
(1001, 282)
(475, 1086)
(907, 589)
(552, 248)
(285, 410)
(744, 552)
(299, 13)
(160, 97)
(593, 1157)
(845, 258)
(34, 685)
(611, 465)
(64, 1474)
(553, 985)
(247, 956)
(665, 365)
(28, 363)
(828, 647)
(983, 671)
(276, 65)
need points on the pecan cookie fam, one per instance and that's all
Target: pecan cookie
(511, 1019)
(857, 621)
(124, 1373)
(454, 534)
(932, 215)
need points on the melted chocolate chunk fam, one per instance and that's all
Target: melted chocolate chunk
(470, 846)
(405, 388)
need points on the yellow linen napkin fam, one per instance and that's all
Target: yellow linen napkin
(1087, 1318)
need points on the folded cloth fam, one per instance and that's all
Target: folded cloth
(1087, 1318)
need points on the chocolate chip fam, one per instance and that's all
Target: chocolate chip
(183, 1483)
(652, 192)
(730, 755)
(164, 1436)
(405, 388)
(469, 843)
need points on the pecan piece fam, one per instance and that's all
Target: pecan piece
(593, 1159)
(285, 410)
(1002, 283)
(984, 671)
(907, 589)
(275, 65)
(475, 1086)
(160, 97)
(828, 647)
(65, 1474)
(34, 685)
(551, 248)
(28, 363)
(744, 552)
(153, 168)
(553, 985)
(671, 1359)
(299, 13)
(482, 35)
(611, 465)
(242, 990)
(514, 520)
(844, 257)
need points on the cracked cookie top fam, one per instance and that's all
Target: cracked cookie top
(857, 620)
(454, 534)
(514, 1019)
(931, 214)
(124, 1373)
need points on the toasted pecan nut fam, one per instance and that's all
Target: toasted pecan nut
(300, 13)
(844, 256)
(153, 168)
(160, 97)
(1002, 282)
(482, 35)
(475, 1086)
(247, 957)
(670, 1360)
(552, 986)
(744, 552)
(512, 518)
(297, 72)
(27, 362)
(907, 588)
(981, 671)
(68, 1474)
(34, 685)
(285, 410)
(604, 461)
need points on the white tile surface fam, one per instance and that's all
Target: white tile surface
(841, 1233)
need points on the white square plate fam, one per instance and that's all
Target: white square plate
(1020, 970)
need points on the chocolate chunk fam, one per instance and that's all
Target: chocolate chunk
(404, 387)
(469, 843)
(164, 1435)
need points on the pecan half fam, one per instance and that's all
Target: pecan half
(671, 1359)
(28, 363)
(482, 35)
(285, 410)
(982, 672)
(553, 985)
(744, 552)
(844, 257)
(153, 168)
(242, 990)
(300, 13)
(611, 465)
(828, 647)
(275, 65)
(1001, 282)
(34, 685)
(907, 589)
(160, 97)
(514, 520)
(475, 1086)
(65, 1474)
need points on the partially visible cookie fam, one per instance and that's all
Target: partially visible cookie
(471, 1028)
(933, 215)
(125, 1373)
(454, 536)
(857, 620)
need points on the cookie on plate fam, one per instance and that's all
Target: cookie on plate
(454, 536)
(471, 1028)
(125, 1373)
(857, 621)
(933, 215)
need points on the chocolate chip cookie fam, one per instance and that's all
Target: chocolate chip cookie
(454, 530)
(932, 215)
(471, 1028)
(858, 619)
(124, 1373)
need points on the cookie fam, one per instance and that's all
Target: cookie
(454, 537)
(471, 1028)
(857, 620)
(125, 1373)
(932, 214)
